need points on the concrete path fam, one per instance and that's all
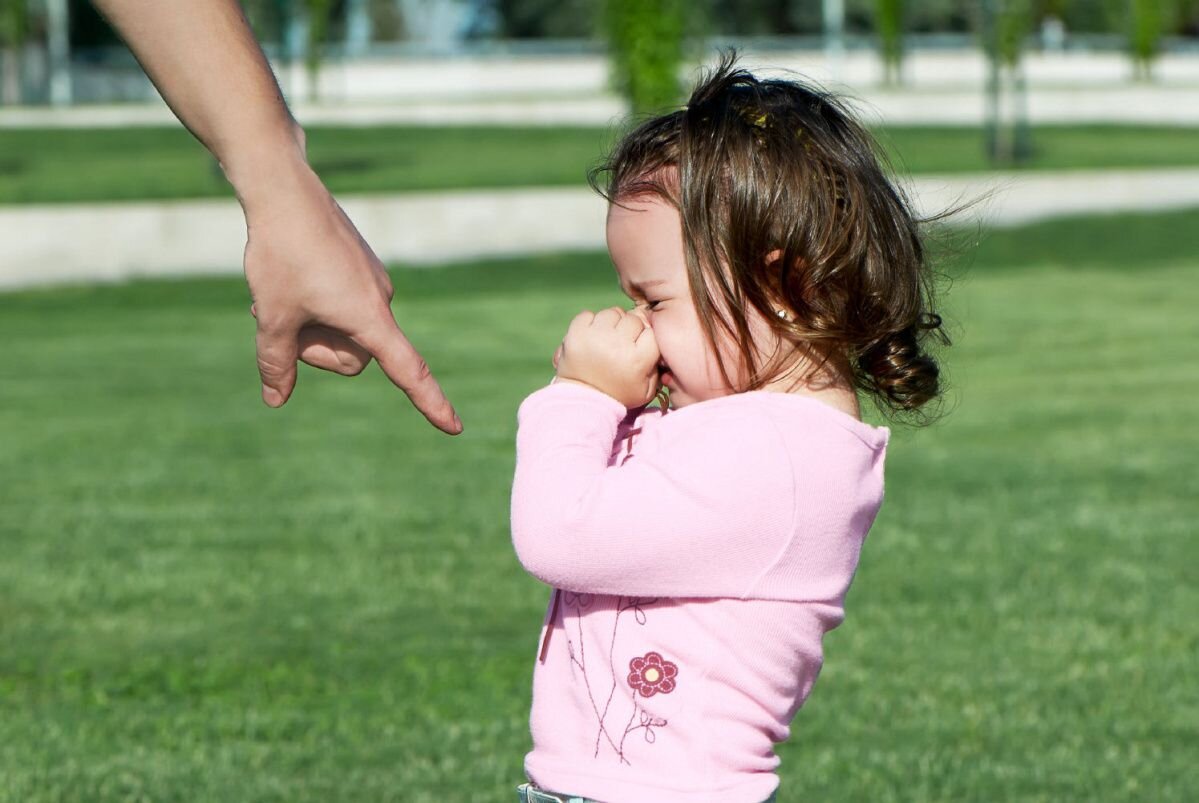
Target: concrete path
(49, 244)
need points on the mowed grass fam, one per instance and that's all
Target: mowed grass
(205, 600)
(56, 165)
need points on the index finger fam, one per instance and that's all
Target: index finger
(409, 372)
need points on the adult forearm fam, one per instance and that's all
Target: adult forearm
(202, 56)
(319, 293)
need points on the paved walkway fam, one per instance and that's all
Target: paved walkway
(49, 244)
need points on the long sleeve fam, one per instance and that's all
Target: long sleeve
(705, 512)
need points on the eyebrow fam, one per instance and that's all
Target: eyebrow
(642, 287)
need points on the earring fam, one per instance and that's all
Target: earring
(782, 314)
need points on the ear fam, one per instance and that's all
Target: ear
(780, 308)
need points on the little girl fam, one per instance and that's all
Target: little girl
(700, 550)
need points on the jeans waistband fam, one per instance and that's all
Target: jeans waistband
(531, 794)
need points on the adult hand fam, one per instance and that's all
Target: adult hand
(613, 351)
(322, 296)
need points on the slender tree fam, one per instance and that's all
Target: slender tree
(14, 26)
(888, 22)
(646, 42)
(1146, 19)
(1005, 28)
(319, 14)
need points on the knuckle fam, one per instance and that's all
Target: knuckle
(272, 367)
(419, 371)
(271, 323)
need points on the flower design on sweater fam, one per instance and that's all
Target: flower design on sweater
(652, 674)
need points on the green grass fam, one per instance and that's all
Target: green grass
(146, 163)
(926, 149)
(204, 600)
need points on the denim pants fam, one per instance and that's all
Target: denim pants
(531, 794)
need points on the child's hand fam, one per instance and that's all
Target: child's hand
(613, 351)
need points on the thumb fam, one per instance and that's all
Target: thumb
(404, 366)
(276, 363)
(646, 345)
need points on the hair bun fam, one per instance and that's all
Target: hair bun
(898, 368)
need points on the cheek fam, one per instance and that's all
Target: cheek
(684, 347)
(705, 353)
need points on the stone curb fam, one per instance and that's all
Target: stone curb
(50, 244)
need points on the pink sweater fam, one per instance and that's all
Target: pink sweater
(699, 557)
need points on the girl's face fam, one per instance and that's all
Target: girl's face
(645, 241)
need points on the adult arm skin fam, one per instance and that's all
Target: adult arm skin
(319, 293)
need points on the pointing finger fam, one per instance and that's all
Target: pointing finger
(405, 367)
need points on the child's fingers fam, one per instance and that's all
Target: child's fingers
(639, 314)
(646, 330)
(579, 323)
(610, 317)
(631, 325)
(646, 346)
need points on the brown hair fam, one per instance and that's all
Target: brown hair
(759, 168)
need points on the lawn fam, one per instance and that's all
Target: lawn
(205, 600)
(139, 163)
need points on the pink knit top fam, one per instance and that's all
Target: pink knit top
(698, 558)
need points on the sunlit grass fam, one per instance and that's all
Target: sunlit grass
(204, 600)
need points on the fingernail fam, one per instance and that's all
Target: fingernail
(457, 424)
(272, 397)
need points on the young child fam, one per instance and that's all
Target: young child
(700, 553)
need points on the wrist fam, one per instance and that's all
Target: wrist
(262, 167)
(627, 403)
(565, 380)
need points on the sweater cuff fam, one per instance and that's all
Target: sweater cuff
(573, 393)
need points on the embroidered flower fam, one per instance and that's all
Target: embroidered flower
(652, 674)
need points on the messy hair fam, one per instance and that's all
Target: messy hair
(786, 205)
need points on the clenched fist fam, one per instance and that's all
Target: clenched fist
(613, 351)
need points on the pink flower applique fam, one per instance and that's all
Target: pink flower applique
(652, 675)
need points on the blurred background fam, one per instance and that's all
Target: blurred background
(202, 599)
